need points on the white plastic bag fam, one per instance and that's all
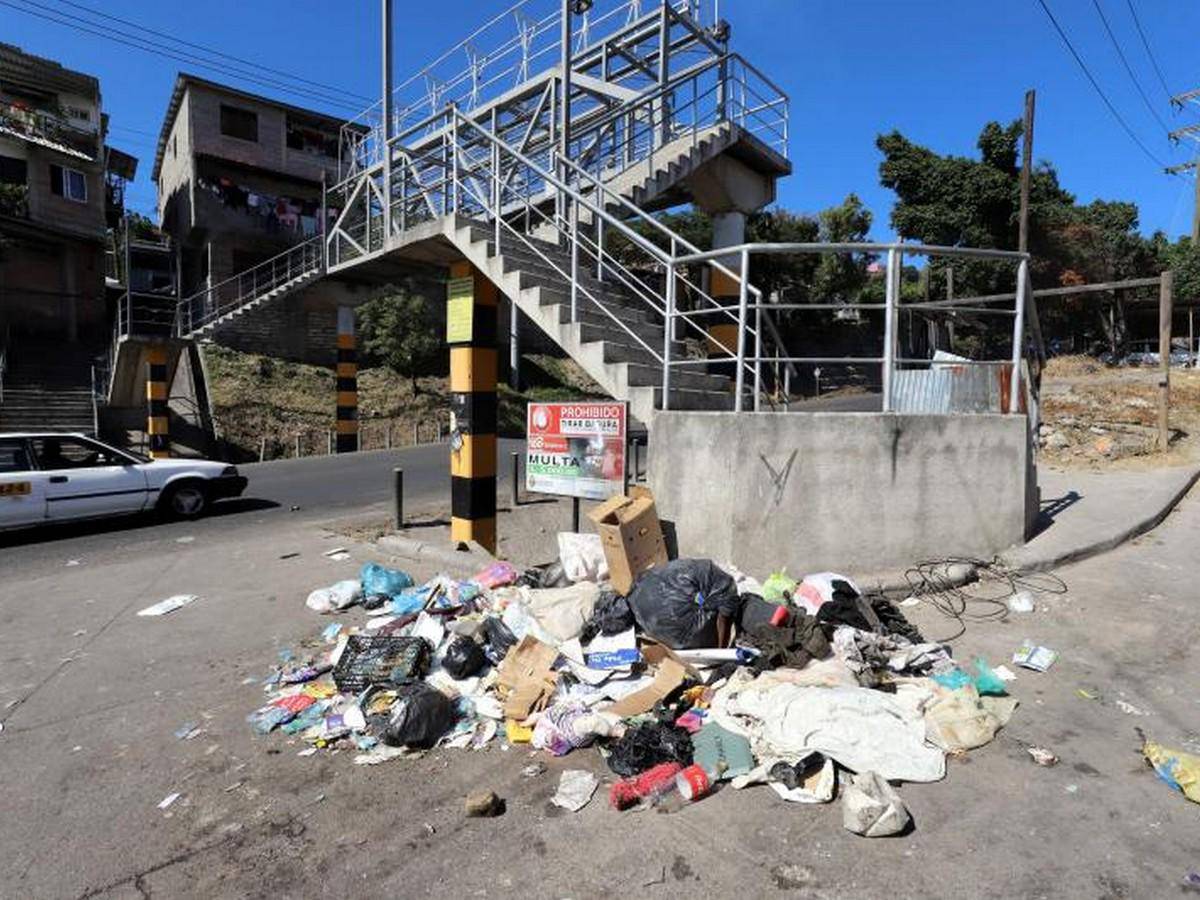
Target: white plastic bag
(336, 596)
(816, 590)
(872, 808)
(582, 556)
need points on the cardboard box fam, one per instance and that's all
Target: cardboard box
(631, 536)
(669, 673)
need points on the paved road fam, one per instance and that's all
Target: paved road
(322, 487)
(91, 697)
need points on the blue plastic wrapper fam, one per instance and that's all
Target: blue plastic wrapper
(377, 579)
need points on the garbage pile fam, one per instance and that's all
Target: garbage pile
(693, 678)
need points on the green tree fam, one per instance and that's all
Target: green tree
(400, 331)
(959, 201)
(841, 276)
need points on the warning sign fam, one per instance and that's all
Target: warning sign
(576, 449)
(459, 310)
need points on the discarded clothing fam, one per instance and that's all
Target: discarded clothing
(565, 726)
(791, 645)
(648, 745)
(861, 729)
(870, 655)
(821, 588)
(1178, 769)
(960, 719)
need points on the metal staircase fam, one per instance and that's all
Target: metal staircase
(473, 167)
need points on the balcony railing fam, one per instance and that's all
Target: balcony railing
(43, 125)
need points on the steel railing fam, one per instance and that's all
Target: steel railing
(281, 271)
(754, 358)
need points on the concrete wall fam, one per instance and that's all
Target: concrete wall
(852, 492)
(301, 327)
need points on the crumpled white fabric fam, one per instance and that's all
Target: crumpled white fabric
(859, 649)
(862, 729)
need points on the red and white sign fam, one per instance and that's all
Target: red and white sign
(576, 449)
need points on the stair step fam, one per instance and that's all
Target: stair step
(689, 399)
(641, 375)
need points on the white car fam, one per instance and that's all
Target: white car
(51, 477)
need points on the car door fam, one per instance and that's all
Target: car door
(85, 478)
(22, 488)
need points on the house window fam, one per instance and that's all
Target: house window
(239, 123)
(69, 183)
(12, 170)
(76, 112)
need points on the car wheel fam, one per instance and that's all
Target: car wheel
(185, 501)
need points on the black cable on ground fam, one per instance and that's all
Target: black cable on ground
(981, 600)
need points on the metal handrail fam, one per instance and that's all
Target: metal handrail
(891, 306)
(296, 262)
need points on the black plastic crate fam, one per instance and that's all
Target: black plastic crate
(380, 660)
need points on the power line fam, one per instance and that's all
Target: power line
(213, 51)
(1145, 43)
(171, 53)
(1095, 84)
(1128, 69)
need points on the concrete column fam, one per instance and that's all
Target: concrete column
(471, 325)
(157, 420)
(347, 382)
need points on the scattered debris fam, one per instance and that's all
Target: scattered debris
(72, 562)
(872, 808)
(337, 554)
(483, 804)
(291, 555)
(168, 800)
(188, 730)
(1042, 756)
(186, 539)
(575, 789)
(1021, 602)
(1178, 769)
(1129, 709)
(162, 607)
(686, 680)
(1031, 656)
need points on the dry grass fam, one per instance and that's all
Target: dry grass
(259, 398)
(1100, 416)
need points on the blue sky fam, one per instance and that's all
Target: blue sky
(934, 70)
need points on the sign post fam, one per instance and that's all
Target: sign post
(576, 449)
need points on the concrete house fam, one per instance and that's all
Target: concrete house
(239, 181)
(61, 187)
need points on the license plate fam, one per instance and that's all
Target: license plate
(16, 488)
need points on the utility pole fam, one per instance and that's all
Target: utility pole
(386, 102)
(1026, 171)
(1192, 132)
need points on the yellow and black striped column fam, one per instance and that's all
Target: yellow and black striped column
(347, 382)
(157, 423)
(471, 324)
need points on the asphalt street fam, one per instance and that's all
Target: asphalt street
(301, 490)
(93, 700)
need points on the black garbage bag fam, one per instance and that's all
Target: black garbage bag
(611, 615)
(648, 745)
(678, 604)
(374, 601)
(420, 716)
(463, 658)
(498, 639)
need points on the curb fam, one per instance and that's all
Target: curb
(891, 583)
(1111, 543)
(476, 557)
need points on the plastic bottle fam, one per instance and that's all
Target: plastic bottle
(696, 781)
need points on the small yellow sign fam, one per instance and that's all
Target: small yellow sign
(15, 488)
(460, 305)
